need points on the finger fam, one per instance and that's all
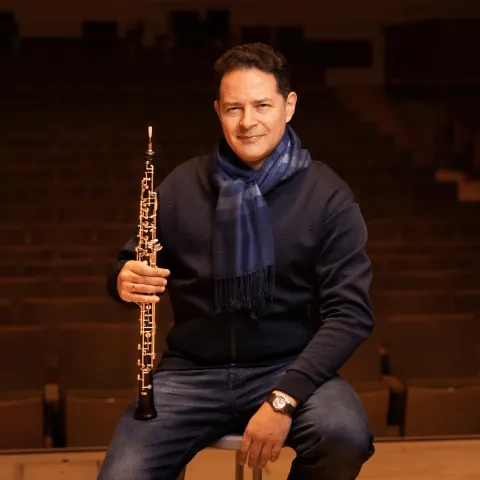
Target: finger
(243, 449)
(132, 288)
(143, 288)
(131, 277)
(141, 268)
(265, 454)
(139, 298)
(276, 450)
(254, 454)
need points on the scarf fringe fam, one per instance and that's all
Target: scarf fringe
(248, 291)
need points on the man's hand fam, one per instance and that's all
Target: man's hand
(136, 279)
(264, 437)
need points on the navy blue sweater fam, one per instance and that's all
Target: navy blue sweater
(322, 310)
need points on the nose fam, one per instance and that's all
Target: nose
(248, 119)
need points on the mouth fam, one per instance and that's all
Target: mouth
(249, 137)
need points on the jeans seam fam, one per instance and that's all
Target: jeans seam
(202, 435)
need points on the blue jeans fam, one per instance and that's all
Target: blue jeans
(329, 431)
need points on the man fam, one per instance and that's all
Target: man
(257, 238)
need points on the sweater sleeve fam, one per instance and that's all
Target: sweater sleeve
(344, 274)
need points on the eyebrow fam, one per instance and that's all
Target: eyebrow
(262, 100)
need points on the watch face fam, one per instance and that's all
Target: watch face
(279, 402)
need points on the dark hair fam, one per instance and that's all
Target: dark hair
(254, 55)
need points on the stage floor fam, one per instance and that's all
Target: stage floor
(396, 460)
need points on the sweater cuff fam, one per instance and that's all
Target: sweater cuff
(112, 284)
(297, 385)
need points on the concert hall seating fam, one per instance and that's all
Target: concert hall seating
(97, 369)
(70, 176)
(364, 373)
(437, 358)
(23, 367)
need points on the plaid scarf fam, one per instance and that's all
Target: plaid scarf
(243, 246)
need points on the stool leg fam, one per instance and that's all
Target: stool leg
(257, 474)
(238, 468)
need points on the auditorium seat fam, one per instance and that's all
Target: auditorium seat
(22, 420)
(442, 408)
(23, 358)
(22, 379)
(97, 355)
(437, 360)
(375, 398)
(432, 346)
(96, 387)
(53, 312)
(91, 415)
(365, 365)
(364, 373)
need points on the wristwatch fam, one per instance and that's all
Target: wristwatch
(280, 403)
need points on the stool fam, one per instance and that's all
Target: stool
(231, 442)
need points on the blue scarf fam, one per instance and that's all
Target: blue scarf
(243, 246)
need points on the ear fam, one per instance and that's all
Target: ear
(290, 104)
(216, 106)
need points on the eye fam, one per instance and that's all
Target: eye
(263, 105)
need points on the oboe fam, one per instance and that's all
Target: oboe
(146, 251)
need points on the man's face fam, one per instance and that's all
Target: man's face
(253, 114)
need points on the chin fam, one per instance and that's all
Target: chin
(249, 158)
(252, 154)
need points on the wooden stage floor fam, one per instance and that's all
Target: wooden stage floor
(394, 460)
